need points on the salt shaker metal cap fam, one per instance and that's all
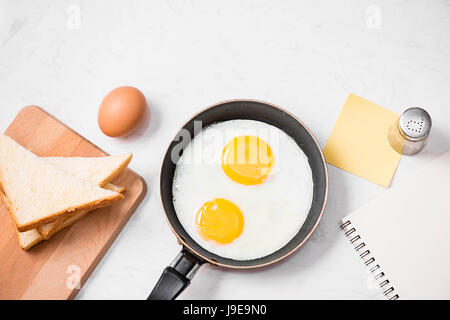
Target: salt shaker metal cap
(410, 131)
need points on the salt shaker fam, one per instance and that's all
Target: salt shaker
(408, 134)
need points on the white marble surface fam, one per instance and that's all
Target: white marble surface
(185, 55)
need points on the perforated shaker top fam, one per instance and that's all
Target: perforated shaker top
(415, 123)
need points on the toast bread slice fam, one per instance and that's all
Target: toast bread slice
(27, 239)
(39, 193)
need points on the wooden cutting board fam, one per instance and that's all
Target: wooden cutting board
(50, 269)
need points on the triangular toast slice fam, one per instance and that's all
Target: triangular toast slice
(38, 192)
(27, 239)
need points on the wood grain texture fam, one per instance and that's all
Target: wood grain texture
(43, 271)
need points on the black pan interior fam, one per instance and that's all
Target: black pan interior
(255, 111)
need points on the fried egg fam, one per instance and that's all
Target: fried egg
(242, 189)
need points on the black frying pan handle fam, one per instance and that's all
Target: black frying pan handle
(177, 276)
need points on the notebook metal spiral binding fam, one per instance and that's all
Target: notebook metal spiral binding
(369, 260)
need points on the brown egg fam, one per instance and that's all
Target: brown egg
(122, 111)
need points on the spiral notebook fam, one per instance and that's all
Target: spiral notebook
(403, 237)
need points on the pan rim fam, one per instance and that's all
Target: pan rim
(224, 265)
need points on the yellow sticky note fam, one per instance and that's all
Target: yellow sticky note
(359, 141)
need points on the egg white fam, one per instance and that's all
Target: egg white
(273, 211)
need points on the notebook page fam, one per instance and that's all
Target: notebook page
(407, 231)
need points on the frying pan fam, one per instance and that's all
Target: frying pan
(176, 277)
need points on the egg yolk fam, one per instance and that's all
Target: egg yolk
(220, 220)
(247, 160)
